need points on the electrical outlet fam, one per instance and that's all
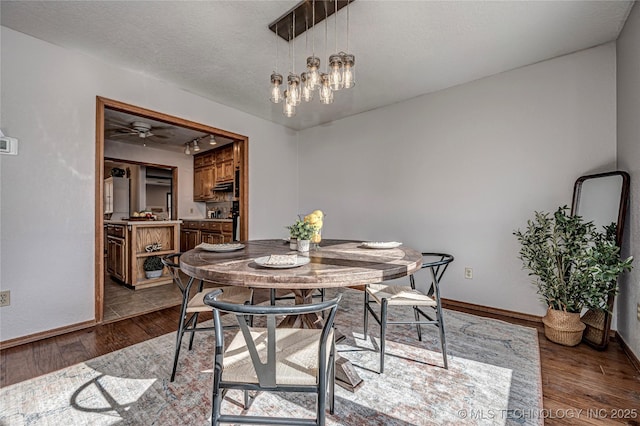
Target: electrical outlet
(468, 273)
(638, 311)
(5, 298)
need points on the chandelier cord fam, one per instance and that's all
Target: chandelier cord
(313, 26)
(347, 26)
(276, 67)
(293, 44)
(335, 29)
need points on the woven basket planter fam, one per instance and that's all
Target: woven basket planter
(563, 327)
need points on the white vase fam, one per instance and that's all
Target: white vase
(303, 246)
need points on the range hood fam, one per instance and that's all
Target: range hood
(223, 187)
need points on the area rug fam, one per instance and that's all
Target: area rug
(493, 379)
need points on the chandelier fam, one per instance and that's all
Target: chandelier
(339, 67)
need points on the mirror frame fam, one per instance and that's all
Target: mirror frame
(602, 340)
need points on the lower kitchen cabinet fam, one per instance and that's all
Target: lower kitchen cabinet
(189, 239)
(194, 232)
(127, 243)
(117, 257)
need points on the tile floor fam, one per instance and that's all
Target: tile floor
(122, 302)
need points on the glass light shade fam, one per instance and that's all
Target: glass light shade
(326, 94)
(288, 109)
(335, 72)
(276, 94)
(196, 147)
(313, 65)
(212, 140)
(294, 89)
(307, 92)
(187, 151)
(348, 74)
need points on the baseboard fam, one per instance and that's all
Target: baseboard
(456, 304)
(6, 344)
(627, 350)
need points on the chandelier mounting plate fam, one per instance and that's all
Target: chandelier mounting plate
(303, 12)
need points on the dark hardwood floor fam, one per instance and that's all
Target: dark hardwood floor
(580, 385)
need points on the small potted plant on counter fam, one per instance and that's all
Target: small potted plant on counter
(302, 231)
(153, 264)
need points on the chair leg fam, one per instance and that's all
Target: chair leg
(383, 332)
(366, 313)
(193, 333)
(417, 317)
(443, 342)
(179, 334)
(272, 296)
(332, 381)
(215, 407)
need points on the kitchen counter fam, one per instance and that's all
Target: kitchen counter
(142, 222)
(205, 220)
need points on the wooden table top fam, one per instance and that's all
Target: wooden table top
(337, 263)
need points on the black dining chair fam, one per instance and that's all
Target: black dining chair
(402, 295)
(194, 305)
(271, 359)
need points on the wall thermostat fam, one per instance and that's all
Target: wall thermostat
(8, 145)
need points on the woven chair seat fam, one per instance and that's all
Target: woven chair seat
(296, 357)
(399, 295)
(232, 294)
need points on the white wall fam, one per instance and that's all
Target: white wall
(48, 101)
(458, 170)
(628, 54)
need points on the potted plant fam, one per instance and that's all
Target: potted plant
(153, 265)
(302, 231)
(575, 266)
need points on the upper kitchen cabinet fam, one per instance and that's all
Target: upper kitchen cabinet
(215, 167)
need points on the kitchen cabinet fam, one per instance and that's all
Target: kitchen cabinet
(189, 239)
(211, 167)
(204, 171)
(224, 171)
(126, 253)
(117, 252)
(194, 232)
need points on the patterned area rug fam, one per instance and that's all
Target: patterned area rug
(493, 379)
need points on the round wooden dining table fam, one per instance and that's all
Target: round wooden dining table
(336, 263)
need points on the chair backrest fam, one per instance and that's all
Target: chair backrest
(266, 371)
(172, 262)
(437, 264)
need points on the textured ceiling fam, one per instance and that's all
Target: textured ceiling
(223, 50)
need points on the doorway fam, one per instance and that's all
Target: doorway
(129, 124)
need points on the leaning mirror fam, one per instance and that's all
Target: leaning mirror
(601, 198)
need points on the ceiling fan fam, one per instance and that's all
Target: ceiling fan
(137, 128)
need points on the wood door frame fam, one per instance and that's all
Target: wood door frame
(101, 104)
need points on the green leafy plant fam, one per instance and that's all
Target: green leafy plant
(152, 263)
(302, 230)
(576, 266)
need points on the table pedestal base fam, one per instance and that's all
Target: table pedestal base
(346, 374)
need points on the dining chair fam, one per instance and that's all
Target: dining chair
(194, 305)
(272, 359)
(402, 295)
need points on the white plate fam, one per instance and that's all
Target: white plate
(220, 248)
(381, 244)
(301, 260)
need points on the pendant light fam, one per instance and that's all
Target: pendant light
(212, 140)
(187, 151)
(313, 62)
(348, 61)
(276, 79)
(288, 109)
(335, 60)
(196, 147)
(294, 95)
